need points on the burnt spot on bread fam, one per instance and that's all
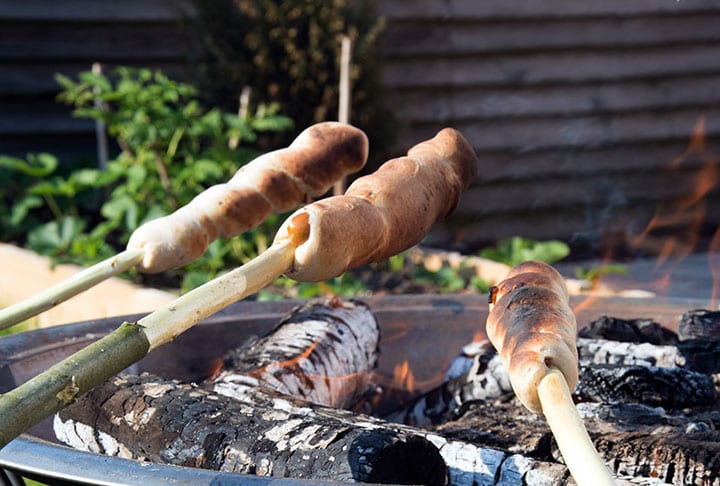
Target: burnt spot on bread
(492, 294)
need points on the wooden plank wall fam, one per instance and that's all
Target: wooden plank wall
(39, 38)
(577, 109)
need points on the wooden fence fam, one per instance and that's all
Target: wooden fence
(579, 111)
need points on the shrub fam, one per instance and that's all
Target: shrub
(171, 148)
(288, 52)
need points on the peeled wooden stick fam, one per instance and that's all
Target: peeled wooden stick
(273, 183)
(533, 328)
(414, 191)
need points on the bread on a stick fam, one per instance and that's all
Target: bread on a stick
(273, 183)
(533, 328)
(382, 213)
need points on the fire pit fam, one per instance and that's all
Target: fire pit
(424, 332)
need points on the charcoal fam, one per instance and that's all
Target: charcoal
(650, 385)
(629, 331)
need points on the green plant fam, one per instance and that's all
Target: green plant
(592, 274)
(289, 52)
(170, 149)
(517, 250)
(346, 285)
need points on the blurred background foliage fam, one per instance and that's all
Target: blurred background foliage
(170, 149)
(288, 52)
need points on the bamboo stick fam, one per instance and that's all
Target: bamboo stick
(58, 386)
(578, 451)
(83, 280)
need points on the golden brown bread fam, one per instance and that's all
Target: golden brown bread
(533, 327)
(383, 213)
(273, 183)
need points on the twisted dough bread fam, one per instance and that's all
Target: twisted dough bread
(533, 327)
(273, 183)
(383, 213)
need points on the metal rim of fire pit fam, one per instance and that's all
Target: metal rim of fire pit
(458, 316)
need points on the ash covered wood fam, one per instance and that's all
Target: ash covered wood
(322, 352)
(256, 432)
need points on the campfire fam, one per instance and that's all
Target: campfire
(333, 392)
(487, 435)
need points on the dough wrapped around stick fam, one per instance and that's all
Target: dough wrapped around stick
(383, 213)
(273, 183)
(533, 327)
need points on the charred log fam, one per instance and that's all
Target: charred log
(650, 385)
(699, 332)
(629, 330)
(636, 417)
(672, 458)
(701, 355)
(322, 352)
(700, 324)
(486, 379)
(261, 433)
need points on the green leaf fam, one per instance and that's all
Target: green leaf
(22, 207)
(517, 250)
(272, 123)
(56, 236)
(37, 165)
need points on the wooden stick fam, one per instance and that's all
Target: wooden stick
(49, 298)
(344, 94)
(57, 387)
(581, 458)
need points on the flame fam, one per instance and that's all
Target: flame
(684, 219)
(403, 377)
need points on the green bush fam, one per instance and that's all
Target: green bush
(170, 149)
(289, 52)
(517, 250)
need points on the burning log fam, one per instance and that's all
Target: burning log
(486, 379)
(322, 352)
(252, 421)
(255, 432)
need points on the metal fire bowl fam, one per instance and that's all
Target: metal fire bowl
(426, 330)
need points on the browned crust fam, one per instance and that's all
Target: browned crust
(273, 183)
(533, 327)
(396, 205)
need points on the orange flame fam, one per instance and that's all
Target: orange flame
(685, 218)
(403, 377)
